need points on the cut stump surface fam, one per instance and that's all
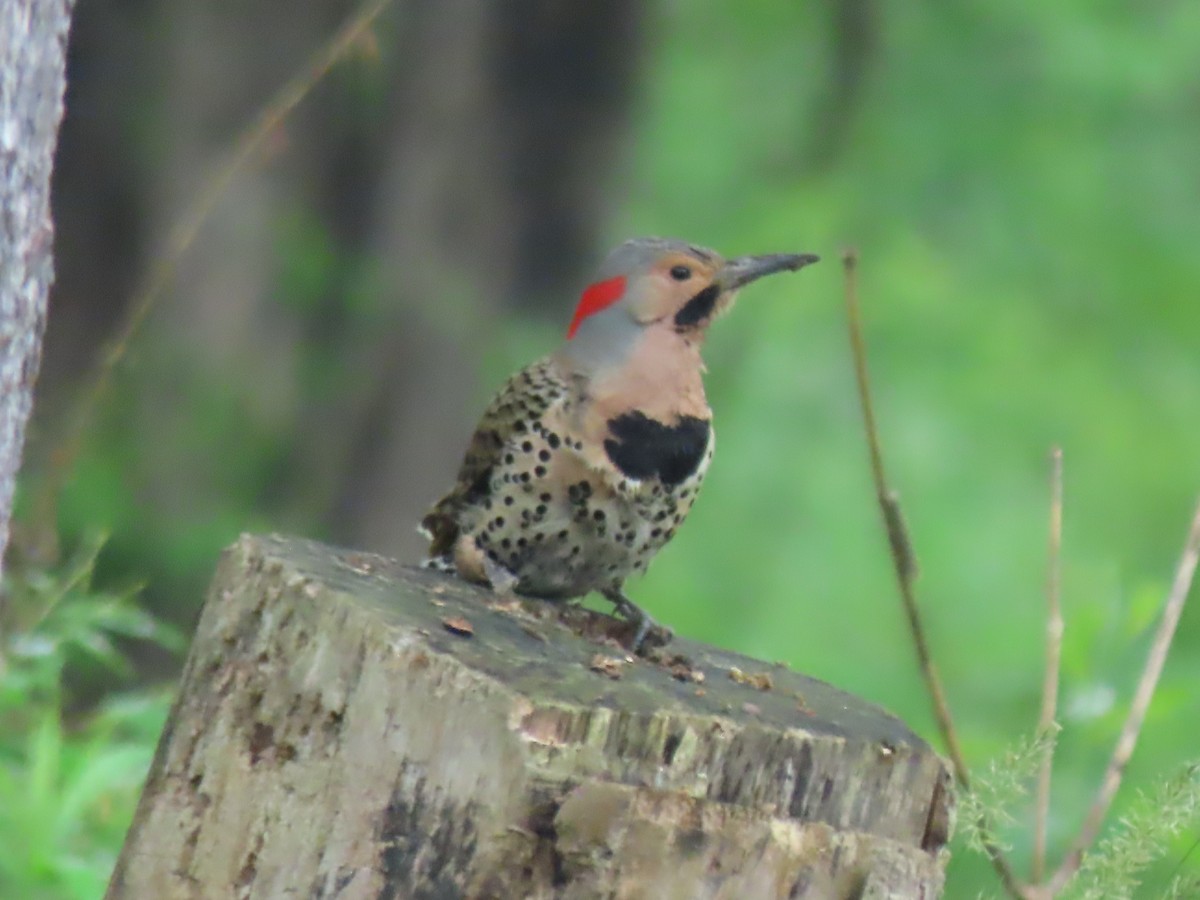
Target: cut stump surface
(348, 727)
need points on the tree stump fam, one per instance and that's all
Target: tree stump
(348, 727)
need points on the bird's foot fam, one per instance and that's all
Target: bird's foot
(647, 628)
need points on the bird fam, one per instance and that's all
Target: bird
(586, 462)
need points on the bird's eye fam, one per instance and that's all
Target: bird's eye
(681, 273)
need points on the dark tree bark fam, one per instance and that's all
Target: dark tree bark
(33, 35)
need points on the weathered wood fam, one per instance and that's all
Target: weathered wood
(338, 733)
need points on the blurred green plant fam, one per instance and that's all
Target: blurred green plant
(69, 780)
(1115, 868)
(1120, 866)
(997, 789)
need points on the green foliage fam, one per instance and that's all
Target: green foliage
(1116, 866)
(68, 783)
(1183, 888)
(989, 808)
(1120, 863)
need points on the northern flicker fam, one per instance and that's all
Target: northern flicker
(587, 461)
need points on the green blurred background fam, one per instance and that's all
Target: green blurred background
(1022, 180)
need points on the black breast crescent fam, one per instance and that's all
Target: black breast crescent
(641, 447)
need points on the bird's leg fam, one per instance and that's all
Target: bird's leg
(472, 563)
(642, 619)
(502, 580)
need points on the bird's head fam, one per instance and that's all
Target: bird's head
(662, 283)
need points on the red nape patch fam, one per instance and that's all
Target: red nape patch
(599, 296)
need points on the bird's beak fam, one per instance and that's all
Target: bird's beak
(741, 271)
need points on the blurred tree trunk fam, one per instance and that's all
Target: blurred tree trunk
(855, 30)
(100, 187)
(33, 36)
(508, 125)
(341, 295)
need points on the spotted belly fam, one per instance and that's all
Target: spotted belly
(564, 529)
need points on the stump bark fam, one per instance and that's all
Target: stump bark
(351, 728)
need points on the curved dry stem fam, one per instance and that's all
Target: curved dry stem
(905, 565)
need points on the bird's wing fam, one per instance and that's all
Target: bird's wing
(523, 400)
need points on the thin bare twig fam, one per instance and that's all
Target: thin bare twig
(903, 558)
(1054, 636)
(180, 239)
(905, 566)
(1142, 696)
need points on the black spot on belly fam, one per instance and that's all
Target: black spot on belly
(697, 309)
(642, 447)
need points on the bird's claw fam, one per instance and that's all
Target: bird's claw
(646, 627)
